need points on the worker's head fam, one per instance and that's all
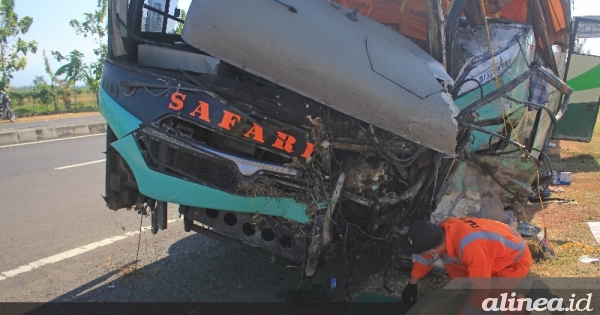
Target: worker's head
(422, 236)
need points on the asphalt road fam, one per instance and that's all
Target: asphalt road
(60, 242)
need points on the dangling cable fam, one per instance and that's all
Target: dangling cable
(504, 116)
(136, 257)
(496, 76)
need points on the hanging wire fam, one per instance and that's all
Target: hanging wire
(135, 88)
(137, 253)
(504, 115)
(496, 75)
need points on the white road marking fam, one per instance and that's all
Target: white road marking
(53, 140)
(80, 164)
(70, 253)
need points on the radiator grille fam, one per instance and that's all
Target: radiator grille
(170, 155)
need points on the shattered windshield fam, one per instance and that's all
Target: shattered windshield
(162, 16)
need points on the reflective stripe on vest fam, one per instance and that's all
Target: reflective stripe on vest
(516, 234)
(422, 260)
(491, 236)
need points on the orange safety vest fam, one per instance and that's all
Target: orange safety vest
(414, 18)
(479, 248)
(363, 5)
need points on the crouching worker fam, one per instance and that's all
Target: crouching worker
(469, 248)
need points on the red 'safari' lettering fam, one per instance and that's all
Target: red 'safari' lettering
(202, 110)
(229, 120)
(309, 150)
(177, 101)
(255, 133)
(284, 142)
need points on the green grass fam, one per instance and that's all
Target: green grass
(85, 103)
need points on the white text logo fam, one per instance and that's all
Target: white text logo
(519, 304)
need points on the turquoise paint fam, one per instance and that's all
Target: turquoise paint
(167, 188)
(482, 139)
(170, 189)
(494, 109)
(120, 121)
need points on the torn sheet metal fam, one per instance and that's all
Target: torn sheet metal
(470, 50)
(320, 53)
(527, 230)
(480, 188)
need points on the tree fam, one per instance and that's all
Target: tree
(17, 98)
(13, 50)
(92, 81)
(579, 47)
(94, 26)
(42, 91)
(179, 27)
(39, 80)
(72, 70)
(60, 88)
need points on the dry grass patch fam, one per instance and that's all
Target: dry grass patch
(568, 231)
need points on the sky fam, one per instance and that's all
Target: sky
(52, 31)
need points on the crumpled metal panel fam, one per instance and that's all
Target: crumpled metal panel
(479, 187)
(379, 50)
(322, 54)
(470, 46)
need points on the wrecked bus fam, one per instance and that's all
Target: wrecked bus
(296, 125)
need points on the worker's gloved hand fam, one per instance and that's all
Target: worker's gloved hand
(409, 294)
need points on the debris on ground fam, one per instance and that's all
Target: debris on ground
(595, 228)
(561, 178)
(578, 246)
(527, 230)
(562, 201)
(589, 260)
(546, 247)
(556, 189)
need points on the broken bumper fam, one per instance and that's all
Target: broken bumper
(181, 191)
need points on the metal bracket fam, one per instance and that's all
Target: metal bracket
(332, 203)
(353, 16)
(158, 215)
(314, 249)
(321, 235)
